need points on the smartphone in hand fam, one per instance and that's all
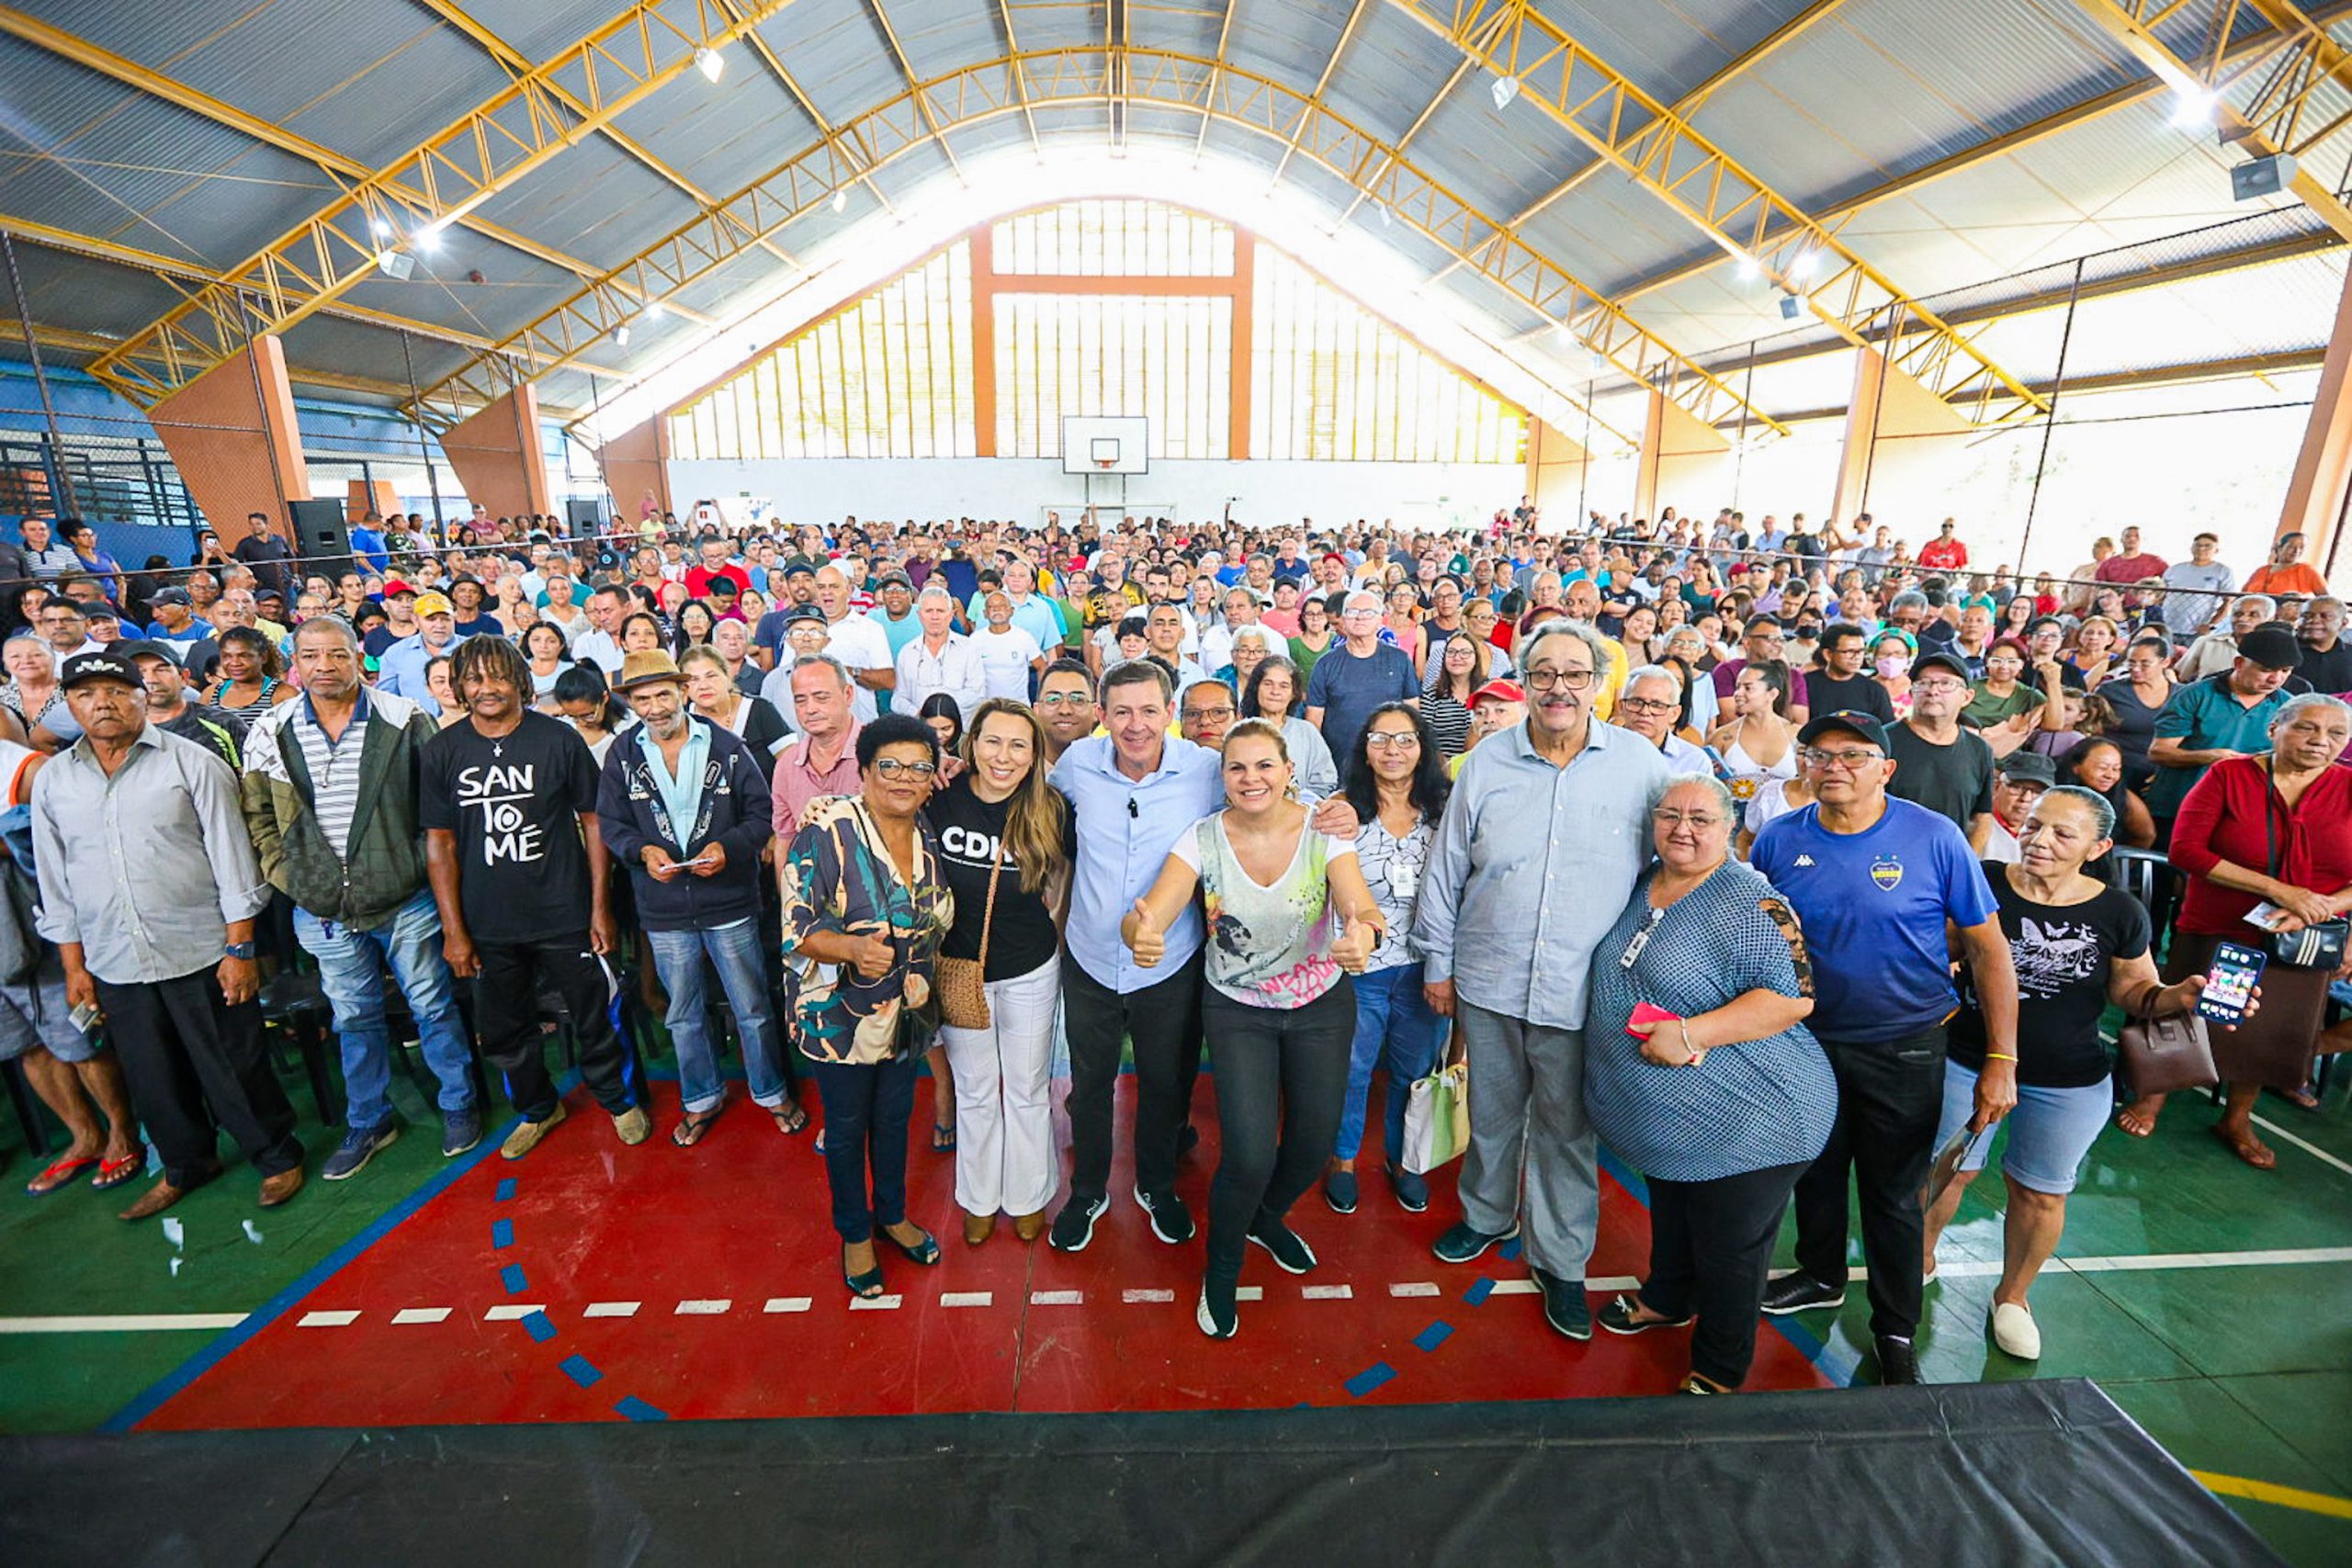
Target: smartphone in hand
(2229, 985)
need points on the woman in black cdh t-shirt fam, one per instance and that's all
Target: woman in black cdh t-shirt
(2077, 945)
(1005, 844)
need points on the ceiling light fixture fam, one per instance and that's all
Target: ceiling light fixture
(620, 335)
(1505, 89)
(841, 199)
(710, 62)
(2194, 107)
(379, 227)
(1382, 209)
(1749, 269)
(398, 266)
(653, 310)
(428, 238)
(1801, 265)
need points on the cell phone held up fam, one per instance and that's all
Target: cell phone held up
(2229, 985)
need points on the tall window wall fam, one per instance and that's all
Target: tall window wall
(890, 377)
(1229, 348)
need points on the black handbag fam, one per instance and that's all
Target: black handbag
(2316, 946)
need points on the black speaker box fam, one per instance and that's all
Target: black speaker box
(320, 533)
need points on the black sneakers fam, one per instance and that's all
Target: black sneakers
(1171, 1221)
(1897, 1361)
(1216, 1314)
(1800, 1293)
(1466, 1241)
(1564, 1307)
(1074, 1227)
(1290, 1252)
(1622, 1316)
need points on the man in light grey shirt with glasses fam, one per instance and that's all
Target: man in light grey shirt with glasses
(1538, 850)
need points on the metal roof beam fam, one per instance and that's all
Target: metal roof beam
(1079, 77)
(907, 69)
(165, 89)
(2266, 102)
(1363, 183)
(1322, 82)
(1567, 83)
(514, 64)
(1984, 151)
(1012, 46)
(734, 12)
(1224, 37)
(488, 150)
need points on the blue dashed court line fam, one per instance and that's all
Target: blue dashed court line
(1479, 1292)
(637, 1409)
(1435, 1335)
(582, 1371)
(501, 1234)
(1371, 1378)
(512, 1278)
(540, 1327)
(505, 1190)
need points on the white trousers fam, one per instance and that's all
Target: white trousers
(1004, 1117)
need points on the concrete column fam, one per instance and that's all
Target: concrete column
(1555, 472)
(635, 464)
(232, 435)
(2321, 485)
(1889, 412)
(497, 453)
(1677, 450)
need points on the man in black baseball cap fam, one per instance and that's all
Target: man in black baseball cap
(1942, 766)
(171, 709)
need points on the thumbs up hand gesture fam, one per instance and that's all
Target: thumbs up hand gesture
(1351, 949)
(1144, 936)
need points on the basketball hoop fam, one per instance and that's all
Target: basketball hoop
(1106, 463)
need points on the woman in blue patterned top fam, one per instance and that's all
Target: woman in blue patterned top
(865, 908)
(1723, 1099)
(1397, 783)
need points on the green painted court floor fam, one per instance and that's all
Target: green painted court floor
(2212, 1301)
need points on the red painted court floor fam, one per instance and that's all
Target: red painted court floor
(593, 1281)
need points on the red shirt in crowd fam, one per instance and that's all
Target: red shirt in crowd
(700, 578)
(1943, 554)
(2222, 819)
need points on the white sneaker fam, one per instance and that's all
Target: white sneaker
(2015, 1331)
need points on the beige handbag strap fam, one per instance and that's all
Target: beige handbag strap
(988, 915)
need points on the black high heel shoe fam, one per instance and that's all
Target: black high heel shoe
(866, 1286)
(925, 1252)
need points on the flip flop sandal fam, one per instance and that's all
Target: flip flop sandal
(942, 1137)
(115, 1172)
(690, 1131)
(59, 1174)
(790, 1119)
(2249, 1149)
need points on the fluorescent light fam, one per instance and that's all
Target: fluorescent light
(710, 62)
(1505, 89)
(841, 198)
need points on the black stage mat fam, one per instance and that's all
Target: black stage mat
(2008, 1474)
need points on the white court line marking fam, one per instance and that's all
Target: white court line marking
(2276, 1130)
(126, 1323)
(1516, 1288)
(787, 1303)
(511, 1312)
(1415, 1288)
(966, 1298)
(1057, 1298)
(327, 1320)
(702, 1308)
(1146, 1295)
(420, 1314)
(875, 1303)
(612, 1309)
(1327, 1292)
(1249, 1293)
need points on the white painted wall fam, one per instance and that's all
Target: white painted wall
(822, 490)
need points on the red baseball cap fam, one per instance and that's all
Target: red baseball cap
(1500, 691)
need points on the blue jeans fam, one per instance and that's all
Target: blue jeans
(735, 951)
(350, 971)
(866, 1107)
(1393, 1025)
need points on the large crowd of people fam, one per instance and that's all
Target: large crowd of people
(1776, 859)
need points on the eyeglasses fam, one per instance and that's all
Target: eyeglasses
(1065, 699)
(1197, 715)
(1647, 705)
(891, 768)
(1574, 680)
(1702, 821)
(1933, 687)
(1848, 761)
(1396, 740)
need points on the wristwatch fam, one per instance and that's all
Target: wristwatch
(238, 950)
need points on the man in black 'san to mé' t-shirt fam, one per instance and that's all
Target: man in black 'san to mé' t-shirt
(508, 802)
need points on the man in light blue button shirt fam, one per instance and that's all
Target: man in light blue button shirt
(1536, 854)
